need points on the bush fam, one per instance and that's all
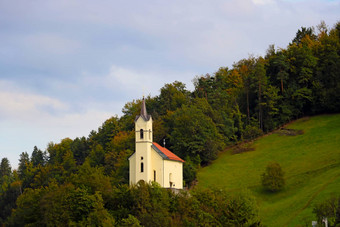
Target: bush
(251, 132)
(273, 178)
(329, 208)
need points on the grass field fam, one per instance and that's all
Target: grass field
(311, 163)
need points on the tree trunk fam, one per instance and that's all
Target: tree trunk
(260, 107)
(248, 111)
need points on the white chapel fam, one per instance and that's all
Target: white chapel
(152, 162)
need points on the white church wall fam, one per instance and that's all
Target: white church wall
(157, 164)
(132, 169)
(143, 155)
(176, 170)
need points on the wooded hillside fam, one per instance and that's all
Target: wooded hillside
(85, 178)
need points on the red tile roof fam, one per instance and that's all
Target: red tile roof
(167, 153)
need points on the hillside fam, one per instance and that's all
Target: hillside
(311, 162)
(77, 180)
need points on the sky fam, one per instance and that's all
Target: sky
(68, 65)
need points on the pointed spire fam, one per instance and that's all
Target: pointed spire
(143, 112)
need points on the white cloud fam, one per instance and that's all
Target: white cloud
(132, 83)
(20, 104)
(29, 120)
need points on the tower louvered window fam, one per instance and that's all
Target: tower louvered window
(141, 134)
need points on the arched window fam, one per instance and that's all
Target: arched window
(170, 180)
(154, 175)
(141, 167)
(141, 134)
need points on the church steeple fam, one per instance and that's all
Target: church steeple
(143, 135)
(143, 112)
(143, 125)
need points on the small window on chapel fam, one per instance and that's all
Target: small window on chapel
(141, 134)
(141, 167)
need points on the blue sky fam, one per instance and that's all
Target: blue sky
(66, 66)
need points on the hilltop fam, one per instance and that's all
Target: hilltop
(310, 160)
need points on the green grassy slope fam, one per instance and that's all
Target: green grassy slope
(311, 163)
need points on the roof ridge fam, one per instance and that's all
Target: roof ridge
(165, 153)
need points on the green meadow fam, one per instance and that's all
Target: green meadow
(311, 162)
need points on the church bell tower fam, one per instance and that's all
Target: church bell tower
(143, 142)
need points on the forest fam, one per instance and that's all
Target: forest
(84, 181)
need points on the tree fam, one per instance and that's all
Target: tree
(224, 209)
(23, 163)
(5, 176)
(106, 133)
(37, 157)
(220, 91)
(190, 170)
(330, 209)
(326, 82)
(246, 69)
(302, 67)
(273, 178)
(281, 66)
(8, 198)
(5, 168)
(97, 156)
(195, 133)
(130, 221)
(300, 34)
(172, 96)
(271, 108)
(80, 148)
(60, 205)
(116, 160)
(261, 82)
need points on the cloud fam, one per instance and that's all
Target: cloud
(28, 119)
(133, 83)
(26, 109)
(20, 104)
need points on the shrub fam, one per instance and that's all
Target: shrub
(273, 178)
(251, 132)
(330, 209)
